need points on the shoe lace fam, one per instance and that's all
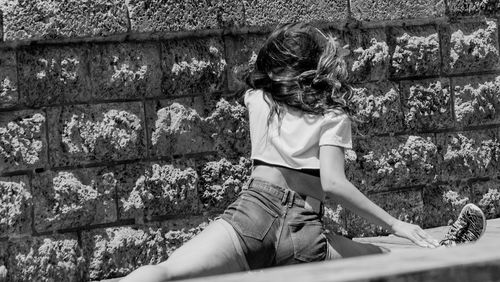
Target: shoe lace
(465, 229)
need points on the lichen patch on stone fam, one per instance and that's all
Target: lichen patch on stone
(15, 201)
(474, 49)
(21, 141)
(117, 128)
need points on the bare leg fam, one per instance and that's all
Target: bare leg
(342, 247)
(213, 251)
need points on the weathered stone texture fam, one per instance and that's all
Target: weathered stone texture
(374, 10)
(443, 203)
(115, 252)
(48, 19)
(15, 206)
(262, 12)
(378, 107)
(222, 180)
(473, 7)
(53, 74)
(370, 57)
(404, 205)
(229, 129)
(96, 133)
(242, 53)
(488, 197)
(416, 51)
(180, 127)
(386, 163)
(471, 46)
(55, 258)
(67, 199)
(427, 104)
(177, 127)
(468, 154)
(176, 15)
(22, 140)
(8, 79)
(334, 218)
(160, 189)
(477, 100)
(193, 66)
(126, 70)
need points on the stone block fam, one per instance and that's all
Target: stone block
(242, 53)
(262, 13)
(15, 206)
(48, 258)
(468, 154)
(221, 181)
(229, 129)
(49, 19)
(416, 51)
(125, 70)
(427, 104)
(487, 197)
(370, 54)
(443, 203)
(53, 75)
(115, 252)
(22, 140)
(334, 218)
(473, 7)
(177, 127)
(68, 199)
(4, 257)
(470, 46)
(158, 189)
(404, 205)
(96, 133)
(377, 10)
(378, 107)
(177, 15)
(477, 100)
(9, 94)
(193, 66)
(387, 163)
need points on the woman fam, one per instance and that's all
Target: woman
(299, 127)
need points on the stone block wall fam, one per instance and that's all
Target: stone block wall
(120, 138)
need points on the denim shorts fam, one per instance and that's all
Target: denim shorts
(273, 228)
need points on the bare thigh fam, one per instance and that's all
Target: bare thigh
(215, 250)
(342, 247)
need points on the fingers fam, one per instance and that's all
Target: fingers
(421, 238)
(427, 238)
(415, 234)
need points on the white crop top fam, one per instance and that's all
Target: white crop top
(295, 142)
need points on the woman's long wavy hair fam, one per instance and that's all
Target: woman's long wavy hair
(301, 67)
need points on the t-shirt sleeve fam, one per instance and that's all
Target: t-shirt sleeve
(249, 95)
(336, 130)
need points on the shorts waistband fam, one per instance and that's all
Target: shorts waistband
(287, 196)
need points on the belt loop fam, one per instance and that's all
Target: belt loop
(248, 183)
(285, 197)
(292, 196)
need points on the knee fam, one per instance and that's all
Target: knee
(148, 273)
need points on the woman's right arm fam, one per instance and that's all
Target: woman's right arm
(336, 185)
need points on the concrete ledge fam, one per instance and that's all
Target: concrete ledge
(474, 262)
(479, 261)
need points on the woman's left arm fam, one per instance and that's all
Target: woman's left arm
(335, 183)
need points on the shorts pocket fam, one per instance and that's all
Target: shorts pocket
(251, 217)
(309, 241)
